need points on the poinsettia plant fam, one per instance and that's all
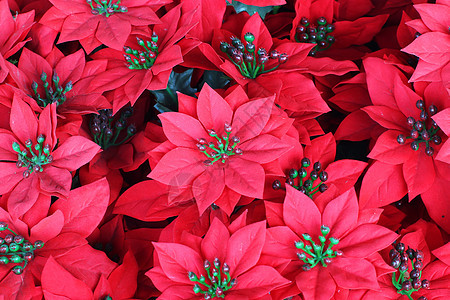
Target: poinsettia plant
(218, 149)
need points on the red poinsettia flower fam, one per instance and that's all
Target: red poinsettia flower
(432, 44)
(324, 245)
(223, 264)
(96, 22)
(407, 154)
(32, 162)
(221, 145)
(59, 79)
(337, 30)
(147, 60)
(416, 276)
(313, 170)
(54, 253)
(14, 31)
(245, 51)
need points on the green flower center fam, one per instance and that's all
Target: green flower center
(407, 282)
(309, 186)
(314, 254)
(218, 282)
(106, 8)
(15, 249)
(144, 58)
(250, 63)
(35, 157)
(423, 130)
(315, 34)
(55, 94)
(106, 131)
(222, 149)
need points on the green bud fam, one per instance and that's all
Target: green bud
(299, 244)
(197, 289)
(43, 76)
(334, 241)
(16, 147)
(249, 37)
(325, 230)
(4, 260)
(13, 247)
(322, 239)
(306, 237)
(16, 259)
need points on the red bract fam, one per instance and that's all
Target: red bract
(32, 164)
(95, 22)
(220, 148)
(430, 279)
(341, 237)
(407, 155)
(150, 55)
(432, 45)
(59, 79)
(64, 260)
(313, 170)
(223, 263)
(346, 29)
(12, 37)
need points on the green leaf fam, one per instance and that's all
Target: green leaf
(251, 9)
(167, 100)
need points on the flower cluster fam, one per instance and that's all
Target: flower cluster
(213, 149)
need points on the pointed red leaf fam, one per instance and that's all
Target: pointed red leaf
(300, 213)
(353, 273)
(84, 208)
(179, 167)
(382, 184)
(208, 187)
(48, 227)
(58, 283)
(365, 240)
(213, 111)
(245, 177)
(124, 278)
(75, 152)
(215, 242)
(244, 248)
(250, 118)
(23, 121)
(341, 214)
(178, 260)
(182, 130)
(388, 150)
(316, 284)
(264, 149)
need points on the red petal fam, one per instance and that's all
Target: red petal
(387, 117)
(84, 208)
(341, 214)
(179, 167)
(388, 150)
(215, 242)
(435, 16)
(264, 149)
(124, 277)
(182, 130)
(55, 181)
(432, 47)
(300, 213)
(419, 173)
(344, 173)
(208, 187)
(23, 121)
(75, 152)
(258, 282)
(58, 283)
(244, 248)
(48, 227)
(250, 118)
(365, 240)
(316, 284)
(280, 242)
(178, 260)
(382, 184)
(322, 149)
(23, 196)
(245, 177)
(353, 273)
(212, 110)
